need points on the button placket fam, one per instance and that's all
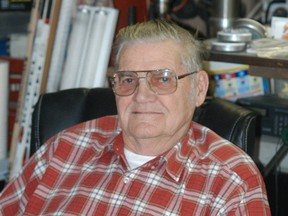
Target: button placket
(126, 179)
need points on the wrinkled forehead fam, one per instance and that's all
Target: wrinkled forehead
(150, 56)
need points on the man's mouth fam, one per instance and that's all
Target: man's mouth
(145, 112)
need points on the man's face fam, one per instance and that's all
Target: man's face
(144, 114)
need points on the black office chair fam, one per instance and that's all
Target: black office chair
(57, 111)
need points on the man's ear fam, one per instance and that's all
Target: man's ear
(202, 83)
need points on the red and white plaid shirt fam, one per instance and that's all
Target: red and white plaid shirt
(83, 171)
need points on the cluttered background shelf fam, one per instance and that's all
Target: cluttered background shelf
(259, 66)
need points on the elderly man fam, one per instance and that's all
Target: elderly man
(151, 159)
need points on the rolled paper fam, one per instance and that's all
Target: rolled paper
(105, 50)
(89, 47)
(93, 51)
(59, 47)
(75, 49)
(4, 89)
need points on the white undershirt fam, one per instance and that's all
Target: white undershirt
(135, 160)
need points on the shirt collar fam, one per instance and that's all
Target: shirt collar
(175, 158)
(106, 129)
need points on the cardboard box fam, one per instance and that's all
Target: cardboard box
(232, 81)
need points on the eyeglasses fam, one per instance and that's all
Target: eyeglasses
(161, 82)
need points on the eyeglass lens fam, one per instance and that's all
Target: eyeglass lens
(159, 81)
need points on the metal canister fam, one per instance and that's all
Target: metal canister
(223, 15)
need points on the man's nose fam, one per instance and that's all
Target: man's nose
(143, 84)
(143, 92)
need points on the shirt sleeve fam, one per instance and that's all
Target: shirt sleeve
(251, 199)
(19, 190)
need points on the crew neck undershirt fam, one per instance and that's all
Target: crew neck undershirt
(136, 160)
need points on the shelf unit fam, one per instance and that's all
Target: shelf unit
(13, 22)
(259, 66)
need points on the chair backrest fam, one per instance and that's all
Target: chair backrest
(57, 111)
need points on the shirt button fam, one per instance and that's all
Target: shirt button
(126, 180)
(152, 167)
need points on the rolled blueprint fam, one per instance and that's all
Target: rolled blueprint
(4, 90)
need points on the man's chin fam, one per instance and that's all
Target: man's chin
(145, 131)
